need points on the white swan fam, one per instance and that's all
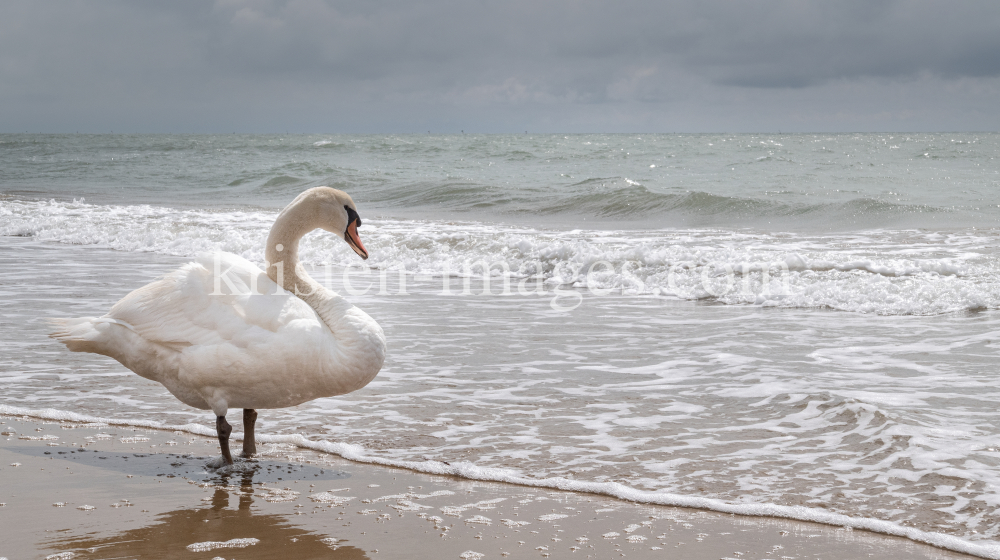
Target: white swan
(221, 333)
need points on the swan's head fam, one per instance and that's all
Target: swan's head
(334, 211)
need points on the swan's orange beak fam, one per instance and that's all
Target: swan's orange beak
(351, 236)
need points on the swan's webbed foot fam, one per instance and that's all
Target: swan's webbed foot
(249, 438)
(217, 463)
(224, 429)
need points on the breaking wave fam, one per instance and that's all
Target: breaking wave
(882, 272)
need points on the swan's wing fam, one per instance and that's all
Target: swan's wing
(220, 298)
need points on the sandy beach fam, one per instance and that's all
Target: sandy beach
(88, 491)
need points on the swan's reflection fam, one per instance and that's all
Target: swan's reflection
(173, 531)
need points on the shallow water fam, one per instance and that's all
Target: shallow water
(165, 507)
(835, 360)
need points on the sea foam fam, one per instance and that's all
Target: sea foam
(879, 272)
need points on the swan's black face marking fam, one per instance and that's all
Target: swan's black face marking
(352, 216)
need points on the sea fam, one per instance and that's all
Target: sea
(798, 325)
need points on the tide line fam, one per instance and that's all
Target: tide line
(464, 469)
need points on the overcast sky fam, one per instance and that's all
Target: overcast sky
(499, 66)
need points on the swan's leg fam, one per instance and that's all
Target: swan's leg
(249, 438)
(224, 430)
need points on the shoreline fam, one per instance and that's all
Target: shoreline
(292, 496)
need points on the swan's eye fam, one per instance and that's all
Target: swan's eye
(352, 216)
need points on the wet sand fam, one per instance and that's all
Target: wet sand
(88, 491)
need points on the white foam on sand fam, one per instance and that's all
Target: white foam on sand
(471, 471)
(329, 498)
(212, 545)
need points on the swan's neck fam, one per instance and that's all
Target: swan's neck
(358, 335)
(282, 252)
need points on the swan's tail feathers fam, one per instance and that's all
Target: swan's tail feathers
(84, 334)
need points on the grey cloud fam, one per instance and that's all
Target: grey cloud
(302, 61)
(807, 44)
(814, 41)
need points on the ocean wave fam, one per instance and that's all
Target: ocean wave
(625, 200)
(886, 273)
(771, 182)
(282, 180)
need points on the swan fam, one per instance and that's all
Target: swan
(220, 332)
